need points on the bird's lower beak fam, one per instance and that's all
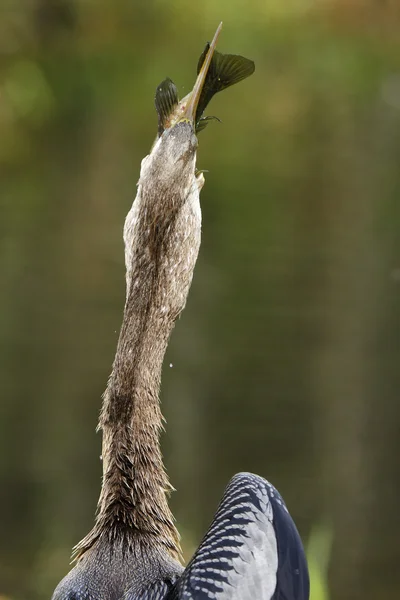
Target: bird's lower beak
(191, 106)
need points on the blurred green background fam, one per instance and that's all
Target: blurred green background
(286, 361)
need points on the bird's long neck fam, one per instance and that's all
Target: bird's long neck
(162, 239)
(134, 479)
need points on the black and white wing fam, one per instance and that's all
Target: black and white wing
(252, 550)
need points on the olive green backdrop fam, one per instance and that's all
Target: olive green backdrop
(286, 361)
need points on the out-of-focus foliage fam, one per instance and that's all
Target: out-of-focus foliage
(287, 360)
(318, 555)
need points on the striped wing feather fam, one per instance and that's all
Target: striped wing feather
(252, 550)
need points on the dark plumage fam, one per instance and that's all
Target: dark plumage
(252, 550)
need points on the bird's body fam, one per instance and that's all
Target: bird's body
(133, 551)
(252, 550)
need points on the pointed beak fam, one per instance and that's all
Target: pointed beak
(191, 107)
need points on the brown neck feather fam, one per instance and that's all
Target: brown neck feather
(162, 238)
(133, 496)
(135, 482)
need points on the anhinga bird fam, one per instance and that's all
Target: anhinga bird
(252, 549)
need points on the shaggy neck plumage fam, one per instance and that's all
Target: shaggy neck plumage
(162, 238)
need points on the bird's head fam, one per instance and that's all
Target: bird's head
(164, 224)
(170, 166)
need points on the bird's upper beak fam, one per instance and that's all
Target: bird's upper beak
(191, 107)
